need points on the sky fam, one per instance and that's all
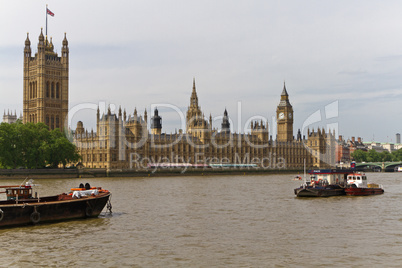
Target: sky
(341, 60)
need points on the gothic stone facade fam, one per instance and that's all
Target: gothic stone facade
(45, 93)
(123, 141)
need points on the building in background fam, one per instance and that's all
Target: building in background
(124, 141)
(10, 117)
(45, 92)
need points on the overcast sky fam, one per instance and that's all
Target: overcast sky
(345, 55)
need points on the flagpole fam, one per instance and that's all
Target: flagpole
(46, 20)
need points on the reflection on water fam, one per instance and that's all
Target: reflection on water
(240, 221)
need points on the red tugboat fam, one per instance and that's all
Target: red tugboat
(21, 208)
(357, 185)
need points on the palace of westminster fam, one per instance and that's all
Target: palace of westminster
(124, 141)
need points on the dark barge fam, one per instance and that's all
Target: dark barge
(324, 183)
(21, 208)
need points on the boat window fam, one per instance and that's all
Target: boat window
(364, 178)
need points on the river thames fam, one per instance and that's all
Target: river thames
(219, 221)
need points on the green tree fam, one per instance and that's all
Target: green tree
(34, 146)
(385, 156)
(10, 148)
(373, 156)
(397, 155)
(61, 150)
(34, 142)
(359, 156)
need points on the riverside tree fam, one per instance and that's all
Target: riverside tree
(374, 156)
(34, 146)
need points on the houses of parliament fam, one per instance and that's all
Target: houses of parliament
(130, 141)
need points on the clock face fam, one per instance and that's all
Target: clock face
(290, 115)
(281, 115)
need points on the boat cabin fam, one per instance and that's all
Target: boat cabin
(328, 176)
(358, 179)
(16, 193)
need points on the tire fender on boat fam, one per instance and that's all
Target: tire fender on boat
(35, 217)
(88, 210)
(1, 214)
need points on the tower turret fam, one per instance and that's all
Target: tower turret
(27, 49)
(156, 123)
(225, 122)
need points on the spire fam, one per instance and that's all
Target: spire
(284, 97)
(145, 116)
(27, 41)
(65, 42)
(194, 98)
(284, 92)
(41, 37)
(135, 114)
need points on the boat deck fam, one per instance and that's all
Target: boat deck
(47, 199)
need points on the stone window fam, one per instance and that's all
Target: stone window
(47, 90)
(57, 91)
(52, 90)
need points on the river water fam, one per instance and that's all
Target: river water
(222, 221)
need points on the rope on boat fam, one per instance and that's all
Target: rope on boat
(109, 204)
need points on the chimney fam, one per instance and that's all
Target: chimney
(353, 139)
(340, 138)
(359, 139)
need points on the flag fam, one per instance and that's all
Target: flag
(50, 12)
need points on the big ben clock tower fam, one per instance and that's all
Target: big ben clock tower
(284, 117)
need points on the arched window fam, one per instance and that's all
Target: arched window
(30, 90)
(57, 91)
(47, 120)
(52, 122)
(47, 89)
(35, 86)
(52, 90)
(57, 121)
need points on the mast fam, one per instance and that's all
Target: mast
(46, 20)
(304, 164)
